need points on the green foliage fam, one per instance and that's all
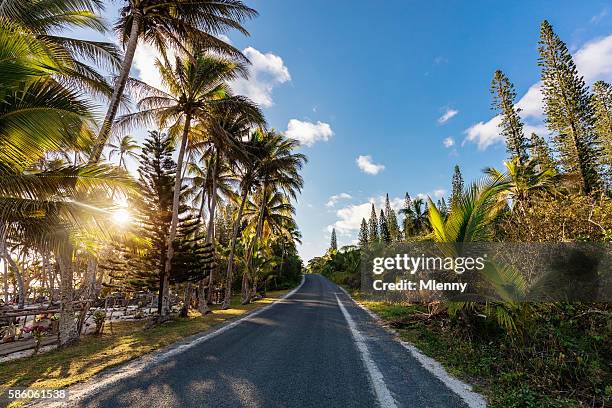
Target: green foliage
(373, 226)
(363, 234)
(334, 242)
(568, 110)
(511, 125)
(457, 186)
(559, 361)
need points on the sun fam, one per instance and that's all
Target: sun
(121, 217)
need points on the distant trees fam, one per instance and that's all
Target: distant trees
(373, 235)
(457, 186)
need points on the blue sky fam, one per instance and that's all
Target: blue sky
(377, 79)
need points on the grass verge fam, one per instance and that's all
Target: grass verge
(563, 362)
(62, 368)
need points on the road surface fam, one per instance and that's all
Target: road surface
(316, 348)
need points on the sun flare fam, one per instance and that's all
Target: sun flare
(121, 217)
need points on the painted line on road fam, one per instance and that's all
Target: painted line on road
(103, 380)
(383, 394)
(463, 390)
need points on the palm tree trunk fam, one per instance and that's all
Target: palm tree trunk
(210, 232)
(18, 276)
(246, 290)
(119, 88)
(175, 209)
(5, 278)
(67, 324)
(230, 261)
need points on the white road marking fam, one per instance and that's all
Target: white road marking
(103, 380)
(463, 390)
(383, 394)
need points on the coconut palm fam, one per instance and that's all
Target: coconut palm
(124, 147)
(196, 87)
(274, 162)
(170, 24)
(269, 214)
(523, 179)
(45, 18)
(279, 171)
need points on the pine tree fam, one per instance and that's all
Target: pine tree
(540, 152)
(154, 208)
(391, 219)
(457, 186)
(385, 234)
(569, 113)
(601, 102)
(406, 211)
(511, 125)
(373, 237)
(334, 242)
(363, 234)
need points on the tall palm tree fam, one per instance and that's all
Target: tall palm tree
(279, 171)
(196, 87)
(125, 147)
(272, 217)
(44, 18)
(275, 160)
(170, 24)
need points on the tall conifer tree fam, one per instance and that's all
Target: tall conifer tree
(373, 237)
(391, 219)
(511, 125)
(602, 107)
(363, 234)
(457, 186)
(540, 152)
(569, 114)
(334, 241)
(385, 234)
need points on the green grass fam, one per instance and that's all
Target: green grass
(564, 363)
(61, 368)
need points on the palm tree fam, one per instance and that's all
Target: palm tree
(523, 180)
(196, 87)
(279, 171)
(125, 147)
(272, 217)
(42, 18)
(169, 24)
(274, 161)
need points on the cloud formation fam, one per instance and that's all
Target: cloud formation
(307, 133)
(593, 60)
(366, 165)
(265, 72)
(337, 197)
(448, 142)
(447, 115)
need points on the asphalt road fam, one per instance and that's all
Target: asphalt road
(300, 352)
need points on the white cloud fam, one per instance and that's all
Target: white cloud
(307, 133)
(593, 60)
(448, 142)
(265, 72)
(600, 16)
(349, 218)
(439, 193)
(366, 165)
(447, 115)
(337, 197)
(144, 62)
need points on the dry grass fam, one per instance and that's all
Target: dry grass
(61, 368)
